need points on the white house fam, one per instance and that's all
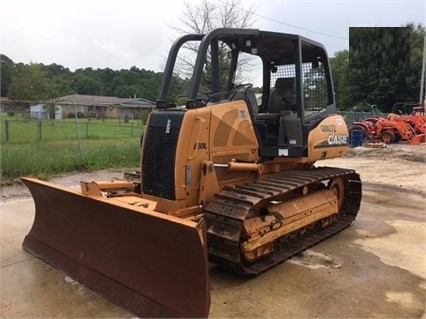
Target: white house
(41, 112)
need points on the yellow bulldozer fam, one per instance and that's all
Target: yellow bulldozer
(226, 178)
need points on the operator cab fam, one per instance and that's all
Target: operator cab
(296, 91)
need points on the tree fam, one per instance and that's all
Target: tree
(84, 84)
(60, 78)
(384, 76)
(127, 91)
(413, 75)
(203, 16)
(388, 71)
(106, 77)
(7, 70)
(30, 83)
(341, 79)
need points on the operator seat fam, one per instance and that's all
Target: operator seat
(283, 96)
(281, 124)
(249, 96)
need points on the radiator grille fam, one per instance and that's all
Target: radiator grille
(159, 154)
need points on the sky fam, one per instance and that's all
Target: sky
(125, 33)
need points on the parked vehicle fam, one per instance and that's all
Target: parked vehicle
(222, 180)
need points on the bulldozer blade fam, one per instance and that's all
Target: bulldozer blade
(151, 264)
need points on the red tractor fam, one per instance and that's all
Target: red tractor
(390, 130)
(410, 113)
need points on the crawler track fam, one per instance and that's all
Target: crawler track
(226, 212)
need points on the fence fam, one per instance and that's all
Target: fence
(21, 129)
(351, 116)
(18, 130)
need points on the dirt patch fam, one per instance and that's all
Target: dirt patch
(412, 153)
(399, 165)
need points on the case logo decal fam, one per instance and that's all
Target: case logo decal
(337, 139)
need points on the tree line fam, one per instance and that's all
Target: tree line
(393, 77)
(39, 82)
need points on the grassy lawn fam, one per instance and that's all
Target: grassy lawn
(45, 148)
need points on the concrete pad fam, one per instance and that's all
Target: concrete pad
(33, 289)
(373, 269)
(16, 220)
